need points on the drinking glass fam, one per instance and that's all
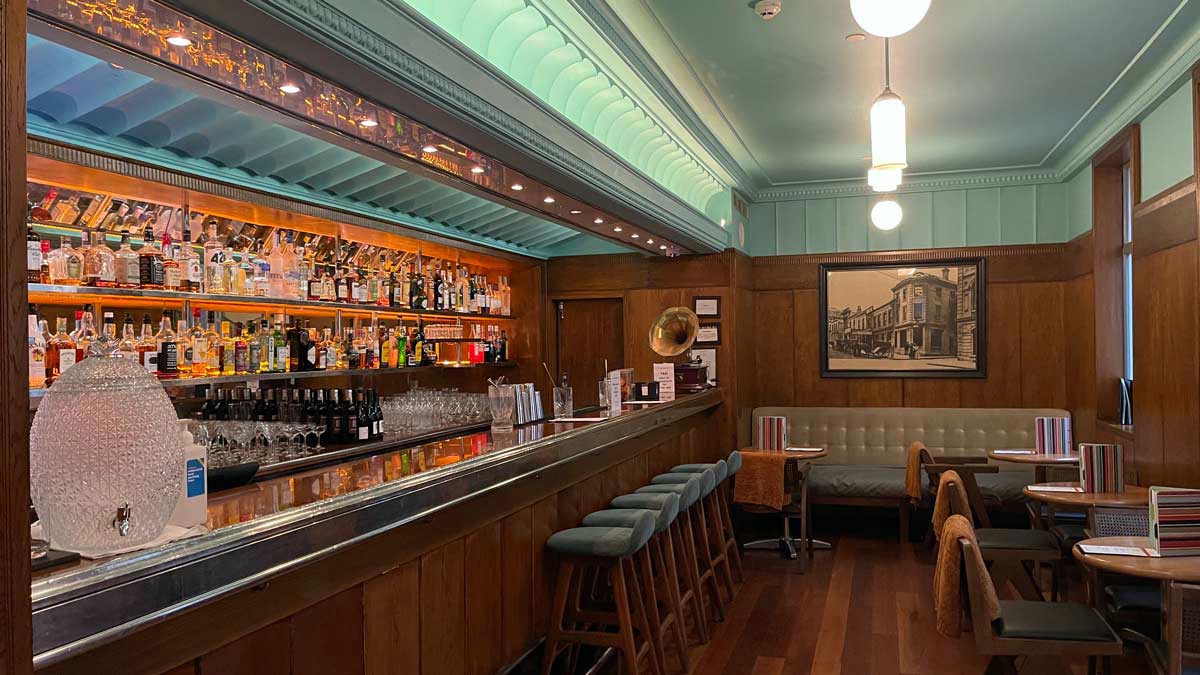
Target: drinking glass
(564, 402)
(502, 404)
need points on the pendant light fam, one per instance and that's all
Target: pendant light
(886, 214)
(888, 149)
(888, 18)
(884, 180)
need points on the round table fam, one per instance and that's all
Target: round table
(1181, 568)
(1134, 495)
(786, 542)
(1039, 461)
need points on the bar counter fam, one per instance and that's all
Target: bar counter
(281, 526)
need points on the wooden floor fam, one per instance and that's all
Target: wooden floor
(864, 607)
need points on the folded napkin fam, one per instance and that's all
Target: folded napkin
(912, 470)
(947, 579)
(760, 481)
(951, 500)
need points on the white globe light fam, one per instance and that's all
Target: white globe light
(884, 180)
(889, 150)
(886, 214)
(888, 18)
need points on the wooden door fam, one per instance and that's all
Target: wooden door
(589, 332)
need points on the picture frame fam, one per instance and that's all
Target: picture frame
(709, 334)
(907, 319)
(707, 306)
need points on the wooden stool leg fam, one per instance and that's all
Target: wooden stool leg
(649, 599)
(690, 575)
(708, 572)
(627, 646)
(670, 579)
(562, 588)
(731, 546)
(718, 530)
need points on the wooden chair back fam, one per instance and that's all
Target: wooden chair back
(1183, 627)
(1119, 521)
(950, 494)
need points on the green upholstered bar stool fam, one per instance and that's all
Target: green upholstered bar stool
(720, 503)
(695, 529)
(713, 522)
(652, 575)
(609, 551)
(681, 556)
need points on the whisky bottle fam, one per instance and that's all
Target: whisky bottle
(33, 250)
(172, 272)
(227, 349)
(150, 261)
(125, 262)
(167, 344)
(127, 347)
(147, 349)
(215, 347)
(60, 351)
(192, 274)
(241, 351)
(37, 350)
(185, 348)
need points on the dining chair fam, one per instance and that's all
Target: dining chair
(1011, 552)
(1183, 629)
(1039, 631)
(1127, 603)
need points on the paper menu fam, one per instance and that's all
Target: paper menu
(614, 393)
(664, 375)
(1133, 551)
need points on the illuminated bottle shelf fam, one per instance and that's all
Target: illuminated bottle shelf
(52, 294)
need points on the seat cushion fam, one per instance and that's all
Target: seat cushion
(688, 492)
(858, 480)
(1026, 540)
(1005, 487)
(608, 542)
(1032, 620)
(664, 504)
(720, 468)
(708, 480)
(1134, 597)
(1069, 534)
(621, 518)
(734, 462)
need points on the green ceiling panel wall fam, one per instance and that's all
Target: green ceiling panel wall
(983, 217)
(917, 229)
(1018, 214)
(1052, 221)
(1165, 136)
(515, 37)
(949, 218)
(1079, 202)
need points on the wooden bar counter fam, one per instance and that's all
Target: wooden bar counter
(376, 565)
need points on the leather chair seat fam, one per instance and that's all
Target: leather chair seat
(665, 504)
(688, 492)
(1134, 597)
(605, 542)
(708, 480)
(1025, 540)
(734, 462)
(1005, 487)
(1032, 620)
(1069, 534)
(720, 468)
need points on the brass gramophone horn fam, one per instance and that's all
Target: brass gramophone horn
(674, 331)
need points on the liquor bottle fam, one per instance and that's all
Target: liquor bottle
(387, 344)
(192, 269)
(417, 343)
(339, 413)
(66, 266)
(401, 345)
(33, 251)
(342, 286)
(262, 277)
(328, 290)
(185, 347)
(198, 343)
(311, 344)
(167, 345)
(229, 270)
(214, 255)
(489, 354)
(66, 210)
(113, 218)
(275, 259)
(266, 348)
(357, 290)
(362, 416)
(253, 348)
(245, 273)
(472, 296)
(125, 262)
(280, 346)
(314, 410)
(296, 352)
(150, 262)
(99, 263)
(304, 271)
(109, 327)
(227, 349)
(172, 272)
(44, 270)
(313, 285)
(37, 349)
(448, 289)
(87, 333)
(215, 347)
(241, 351)
(502, 347)
(291, 268)
(60, 350)
(147, 349)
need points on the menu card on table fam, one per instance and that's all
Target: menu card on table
(1055, 488)
(664, 375)
(1015, 452)
(1100, 467)
(614, 393)
(1132, 551)
(1053, 435)
(1174, 521)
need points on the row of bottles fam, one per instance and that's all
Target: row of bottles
(347, 415)
(213, 348)
(286, 271)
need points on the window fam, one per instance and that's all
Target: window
(1127, 269)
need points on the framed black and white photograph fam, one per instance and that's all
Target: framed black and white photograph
(708, 334)
(707, 307)
(923, 319)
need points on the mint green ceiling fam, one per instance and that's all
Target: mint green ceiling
(1009, 83)
(518, 38)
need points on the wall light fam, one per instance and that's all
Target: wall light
(888, 18)
(884, 180)
(548, 200)
(888, 145)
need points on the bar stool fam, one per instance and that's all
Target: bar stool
(721, 500)
(696, 533)
(655, 578)
(683, 557)
(608, 550)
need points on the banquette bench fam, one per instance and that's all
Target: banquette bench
(868, 449)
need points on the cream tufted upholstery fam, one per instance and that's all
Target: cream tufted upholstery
(881, 436)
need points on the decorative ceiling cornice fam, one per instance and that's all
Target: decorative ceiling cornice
(964, 180)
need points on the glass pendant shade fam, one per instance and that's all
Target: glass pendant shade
(888, 147)
(105, 457)
(886, 214)
(888, 18)
(884, 180)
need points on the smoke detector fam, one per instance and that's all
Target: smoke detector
(768, 9)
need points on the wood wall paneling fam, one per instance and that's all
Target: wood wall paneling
(516, 565)
(392, 620)
(1043, 379)
(443, 610)
(266, 651)
(328, 637)
(484, 598)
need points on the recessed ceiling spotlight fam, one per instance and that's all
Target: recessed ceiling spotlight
(179, 40)
(635, 235)
(429, 149)
(617, 228)
(855, 37)
(663, 247)
(649, 241)
(518, 187)
(116, 66)
(367, 123)
(722, 222)
(598, 221)
(548, 200)
(289, 88)
(477, 169)
(575, 212)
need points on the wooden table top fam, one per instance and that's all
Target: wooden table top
(1134, 495)
(799, 456)
(1182, 568)
(1034, 458)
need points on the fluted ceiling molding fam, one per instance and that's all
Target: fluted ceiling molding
(916, 183)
